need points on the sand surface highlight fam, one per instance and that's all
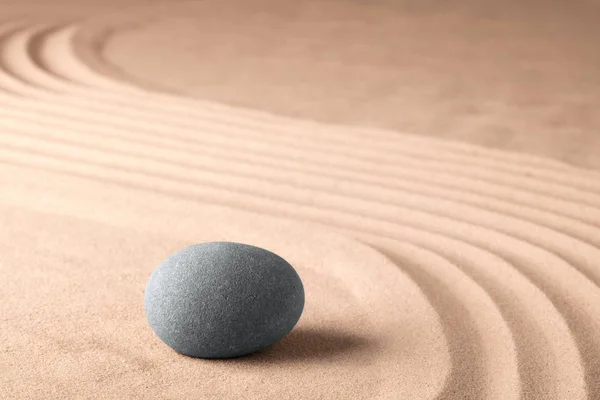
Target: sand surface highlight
(433, 269)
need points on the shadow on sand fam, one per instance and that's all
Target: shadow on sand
(305, 344)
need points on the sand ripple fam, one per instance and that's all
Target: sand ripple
(434, 270)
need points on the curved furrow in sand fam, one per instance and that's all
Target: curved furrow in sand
(17, 62)
(215, 141)
(537, 327)
(240, 180)
(9, 85)
(196, 160)
(512, 279)
(578, 252)
(392, 151)
(21, 41)
(36, 46)
(360, 224)
(582, 254)
(53, 54)
(413, 335)
(268, 190)
(210, 155)
(370, 135)
(476, 331)
(469, 151)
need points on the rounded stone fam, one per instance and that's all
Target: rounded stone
(223, 299)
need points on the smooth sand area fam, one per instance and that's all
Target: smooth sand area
(437, 264)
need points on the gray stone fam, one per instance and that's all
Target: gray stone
(223, 299)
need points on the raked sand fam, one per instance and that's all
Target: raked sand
(433, 268)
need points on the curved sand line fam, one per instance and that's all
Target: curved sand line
(360, 302)
(418, 200)
(540, 81)
(584, 213)
(42, 80)
(182, 138)
(570, 381)
(57, 46)
(486, 253)
(557, 262)
(555, 240)
(536, 80)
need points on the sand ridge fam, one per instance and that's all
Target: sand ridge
(436, 270)
(481, 72)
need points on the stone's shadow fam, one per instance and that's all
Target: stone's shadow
(312, 344)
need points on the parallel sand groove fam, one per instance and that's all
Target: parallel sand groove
(59, 38)
(461, 71)
(505, 260)
(347, 160)
(561, 242)
(20, 61)
(538, 356)
(465, 151)
(283, 149)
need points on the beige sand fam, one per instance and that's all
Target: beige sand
(434, 269)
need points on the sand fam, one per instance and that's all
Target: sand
(440, 260)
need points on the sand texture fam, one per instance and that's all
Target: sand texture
(457, 261)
